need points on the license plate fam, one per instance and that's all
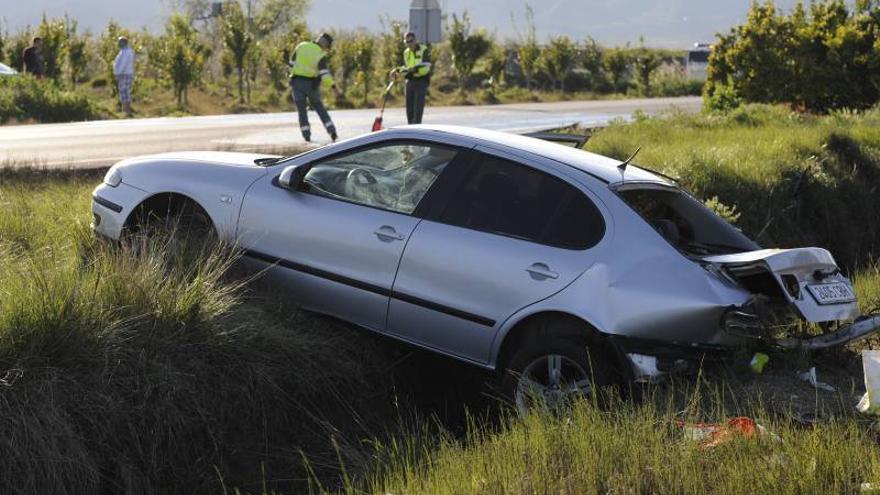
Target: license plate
(836, 293)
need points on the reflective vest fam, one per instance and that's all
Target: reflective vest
(307, 62)
(412, 59)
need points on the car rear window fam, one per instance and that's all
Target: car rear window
(507, 198)
(685, 222)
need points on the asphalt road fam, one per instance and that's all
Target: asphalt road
(99, 143)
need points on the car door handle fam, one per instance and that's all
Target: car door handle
(387, 233)
(541, 271)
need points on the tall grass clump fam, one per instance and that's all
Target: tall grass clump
(796, 179)
(24, 98)
(143, 372)
(631, 448)
(154, 368)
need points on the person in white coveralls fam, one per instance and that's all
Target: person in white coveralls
(123, 69)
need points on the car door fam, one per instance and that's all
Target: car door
(508, 235)
(336, 241)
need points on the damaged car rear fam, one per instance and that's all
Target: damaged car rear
(749, 297)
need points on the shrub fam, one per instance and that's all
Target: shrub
(819, 57)
(25, 98)
(669, 80)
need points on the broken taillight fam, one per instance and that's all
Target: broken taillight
(792, 286)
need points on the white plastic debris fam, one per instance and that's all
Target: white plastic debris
(870, 403)
(810, 377)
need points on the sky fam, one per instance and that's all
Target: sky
(666, 23)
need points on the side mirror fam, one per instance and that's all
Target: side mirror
(292, 177)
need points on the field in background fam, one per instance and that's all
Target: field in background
(163, 370)
(216, 65)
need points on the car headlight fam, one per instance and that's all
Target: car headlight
(113, 177)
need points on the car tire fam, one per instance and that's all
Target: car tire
(581, 370)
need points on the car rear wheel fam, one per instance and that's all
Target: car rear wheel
(554, 374)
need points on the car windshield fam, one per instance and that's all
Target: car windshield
(684, 221)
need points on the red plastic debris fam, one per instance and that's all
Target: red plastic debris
(710, 435)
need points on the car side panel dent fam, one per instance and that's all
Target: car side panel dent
(652, 292)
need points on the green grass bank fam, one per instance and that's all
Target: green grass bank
(787, 179)
(163, 371)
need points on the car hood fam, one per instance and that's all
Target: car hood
(219, 158)
(795, 272)
(192, 173)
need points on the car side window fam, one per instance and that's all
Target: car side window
(507, 198)
(393, 177)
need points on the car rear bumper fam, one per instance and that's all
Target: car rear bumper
(863, 327)
(651, 359)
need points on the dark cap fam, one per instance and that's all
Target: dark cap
(326, 36)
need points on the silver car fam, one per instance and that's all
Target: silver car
(561, 269)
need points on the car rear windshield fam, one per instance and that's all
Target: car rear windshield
(685, 222)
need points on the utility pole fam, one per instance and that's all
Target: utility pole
(426, 20)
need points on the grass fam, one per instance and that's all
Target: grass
(154, 369)
(796, 180)
(162, 370)
(633, 448)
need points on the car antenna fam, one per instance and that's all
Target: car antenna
(622, 166)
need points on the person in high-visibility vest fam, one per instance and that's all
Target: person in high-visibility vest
(308, 72)
(417, 70)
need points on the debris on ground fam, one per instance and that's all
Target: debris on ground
(711, 435)
(809, 376)
(870, 402)
(759, 360)
(870, 488)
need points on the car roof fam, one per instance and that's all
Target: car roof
(599, 166)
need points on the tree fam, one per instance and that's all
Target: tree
(77, 56)
(645, 62)
(270, 16)
(17, 45)
(252, 69)
(364, 47)
(267, 16)
(4, 41)
(346, 54)
(592, 56)
(820, 58)
(54, 35)
(181, 56)
(496, 62)
(558, 59)
(617, 62)
(466, 47)
(238, 41)
(528, 51)
(392, 45)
